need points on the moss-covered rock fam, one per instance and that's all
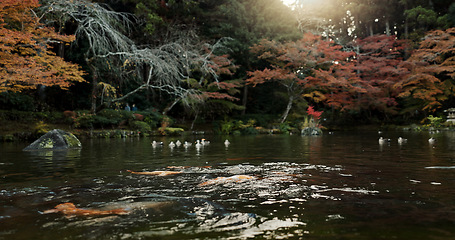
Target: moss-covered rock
(311, 131)
(55, 140)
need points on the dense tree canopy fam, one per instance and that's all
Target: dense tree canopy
(26, 56)
(370, 59)
(431, 81)
(378, 65)
(311, 67)
(111, 52)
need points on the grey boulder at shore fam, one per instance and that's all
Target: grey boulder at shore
(55, 140)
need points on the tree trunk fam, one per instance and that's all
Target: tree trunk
(245, 99)
(387, 27)
(245, 88)
(167, 109)
(288, 108)
(357, 52)
(406, 32)
(94, 84)
(194, 121)
(406, 29)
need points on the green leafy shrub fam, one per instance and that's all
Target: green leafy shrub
(41, 128)
(107, 118)
(115, 116)
(226, 126)
(248, 128)
(152, 122)
(285, 127)
(435, 121)
(90, 121)
(16, 101)
(306, 122)
(27, 117)
(18, 116)
(229, 126)
(50, 117)
(84, 121)
(260, 119)
(249, 131)
(152, 117)
(140, 126)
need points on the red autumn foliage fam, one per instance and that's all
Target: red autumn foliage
(315, 114)
(432, 70)
(70, 114)
(138, 116)
(211, 86)
(217, 95)
(379, 66)
(312, 68)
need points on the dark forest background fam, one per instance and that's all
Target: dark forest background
(257, 62)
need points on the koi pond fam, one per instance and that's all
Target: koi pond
(343, 185)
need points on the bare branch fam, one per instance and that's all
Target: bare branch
(102, 28)
(167, 64)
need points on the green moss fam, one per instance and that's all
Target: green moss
(172, 131)
(72, 140)
(47, 144)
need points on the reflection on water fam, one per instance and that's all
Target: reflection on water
(342, 186)
(39, 164)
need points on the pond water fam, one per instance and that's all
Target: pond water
(343, 185)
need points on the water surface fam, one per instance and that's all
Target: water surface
(336, 186)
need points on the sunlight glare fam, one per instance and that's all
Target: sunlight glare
(288, 2)
(304, 2)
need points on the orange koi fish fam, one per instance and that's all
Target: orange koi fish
(70, 209)
(235, 178)
(156, 173)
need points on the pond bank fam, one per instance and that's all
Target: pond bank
(29, 136)
(25, 136)
(18, 126)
